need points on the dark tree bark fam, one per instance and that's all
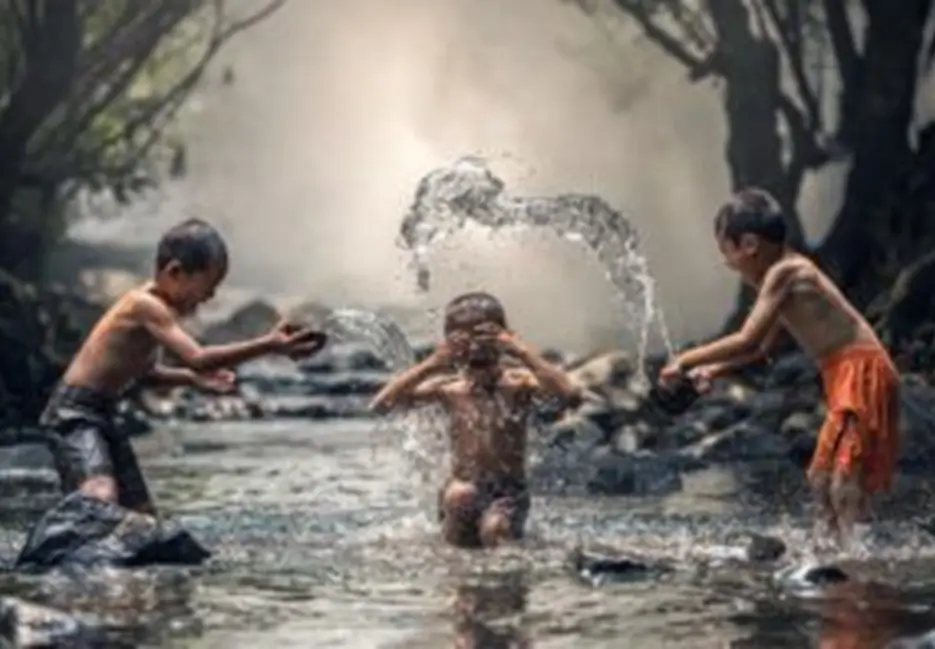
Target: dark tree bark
(51, 42)
(863, 249)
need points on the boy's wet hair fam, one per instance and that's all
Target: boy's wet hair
(470, 309)
(195, 244)
(751, 211)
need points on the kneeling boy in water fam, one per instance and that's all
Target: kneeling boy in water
(488, 402)
(191, 261)
(858, 443)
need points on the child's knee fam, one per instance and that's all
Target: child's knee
(459, 496)
(495, 527)
(100, 487)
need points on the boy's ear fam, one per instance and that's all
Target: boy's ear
(748, 243)
(173, 268)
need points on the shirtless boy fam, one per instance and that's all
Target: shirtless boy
(857, 446)
(488, 402)
(121, 349)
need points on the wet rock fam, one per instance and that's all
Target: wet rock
(800, 430)
(633, 474)
(596, 569)
(602, 370)
(29, 482)
(810, 575)
(25, 625)
(316, 408)
(759, 548)
(84, 531)
(917, 410)
(792, 370)
(743, 441)
(344, 357)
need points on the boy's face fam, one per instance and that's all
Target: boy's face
(474, 343)
(738, 253)
(190, 289)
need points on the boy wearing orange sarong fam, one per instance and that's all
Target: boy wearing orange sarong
(857, 446)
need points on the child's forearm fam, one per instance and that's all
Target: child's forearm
(552, 379)
(219, 356)
(730, 366)
(401, 384)
(726, 349)
(169, 377)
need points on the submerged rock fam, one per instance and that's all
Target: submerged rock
(84, 531)
(633, 474)
(764, 548)
(25, 625)
(596, 569)
(810, 575)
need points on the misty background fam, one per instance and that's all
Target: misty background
(309, 160)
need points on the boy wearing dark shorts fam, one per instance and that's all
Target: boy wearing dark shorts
(92, 456)
(488, 401)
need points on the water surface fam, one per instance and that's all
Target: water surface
(324, 537)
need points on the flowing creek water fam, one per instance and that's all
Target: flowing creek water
(322, 538)
(325, 535)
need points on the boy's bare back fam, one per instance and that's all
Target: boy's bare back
(119, 349)
(811, 308)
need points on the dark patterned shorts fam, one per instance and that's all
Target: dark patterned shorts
(86, 444)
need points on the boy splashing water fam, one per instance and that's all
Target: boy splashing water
(488, 402)
(191, 262)
(858, 443)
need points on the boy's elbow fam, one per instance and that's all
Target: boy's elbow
(197, 361)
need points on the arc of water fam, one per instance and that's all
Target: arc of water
(391, 345)
(468, 191)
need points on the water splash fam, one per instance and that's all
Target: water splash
(423, 430)
(447, 199)
(387, 339)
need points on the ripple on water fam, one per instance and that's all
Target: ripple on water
(321, 532)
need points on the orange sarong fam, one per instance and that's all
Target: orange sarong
(860, 436)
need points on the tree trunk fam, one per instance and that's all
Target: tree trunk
(749, 63)
(750, 66)
(52, 43)
(859, 249)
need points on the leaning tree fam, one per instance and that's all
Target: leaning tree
(806, 82)
(87, 91)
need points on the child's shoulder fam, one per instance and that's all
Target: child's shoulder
(140, 303)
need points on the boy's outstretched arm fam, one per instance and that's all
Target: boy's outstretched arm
(170, 377)
(412, 386)
(548, 377)
(762, 352)
(755, 330)
(153, 314)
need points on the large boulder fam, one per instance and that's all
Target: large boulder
(251, 319)
(84, 531)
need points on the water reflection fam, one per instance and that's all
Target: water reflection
(488, 612)
(851, 615)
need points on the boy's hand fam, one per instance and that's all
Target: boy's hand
(702, 377)
(308, 345)
(671, 373)
(220, 381)
(448, 350)
(296, 341)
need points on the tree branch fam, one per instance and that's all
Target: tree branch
(698, 66)
(790, 38)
